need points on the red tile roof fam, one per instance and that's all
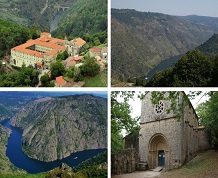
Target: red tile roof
(60, 81)
(42, 41)
(79, 41)
(39, 64)
(95, 49)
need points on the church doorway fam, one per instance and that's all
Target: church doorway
(161, 158)
(158, 151)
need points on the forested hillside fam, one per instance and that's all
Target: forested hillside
(196, 68)
(84, 17)
(25, 12)
(12, 35)
(210, 22)
(141, 40)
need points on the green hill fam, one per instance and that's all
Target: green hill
(4, 113)
(84, 17)
(141, 40)
(25, 12)
(197, 68)
(210, 22)
(210, 47)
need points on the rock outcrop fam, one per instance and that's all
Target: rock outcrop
(53, 128)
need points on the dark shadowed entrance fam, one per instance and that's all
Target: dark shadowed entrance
(161, 158)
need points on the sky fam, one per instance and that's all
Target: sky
(171, 7)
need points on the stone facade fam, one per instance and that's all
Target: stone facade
(101, 52)
(203, 140)
(164, 139)
(131, 141)
(125, 161)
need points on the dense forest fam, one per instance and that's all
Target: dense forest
(196, 68)
(84, 17)
(38, 12)
(12, 35)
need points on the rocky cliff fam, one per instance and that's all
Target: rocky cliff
(53, 128)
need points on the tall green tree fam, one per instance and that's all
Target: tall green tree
(208, 112)
(90, 67)
(57, 69)
(193, 69)
(121, 118)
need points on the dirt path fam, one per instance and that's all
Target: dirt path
(45, 7)
(146, 174)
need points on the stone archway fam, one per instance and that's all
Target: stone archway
(158, 147)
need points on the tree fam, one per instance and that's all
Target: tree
(62, 56)
(45, 81)
(208, 112)
(121, 119)
(57, 69)
(78, 76)
(70, 72)
(193, 69)
(90, 67)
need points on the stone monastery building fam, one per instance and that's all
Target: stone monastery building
(43, 50)
(163, 139)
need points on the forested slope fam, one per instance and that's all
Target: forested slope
(141, 40)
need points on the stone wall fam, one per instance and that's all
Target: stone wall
(125, 161)
(203, 139)
(160, 135)
(132, 141)
(190, 133)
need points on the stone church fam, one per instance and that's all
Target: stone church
(163, 138)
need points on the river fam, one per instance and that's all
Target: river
(18, 158)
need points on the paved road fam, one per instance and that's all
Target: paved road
(146, 174)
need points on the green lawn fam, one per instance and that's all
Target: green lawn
(96, 81)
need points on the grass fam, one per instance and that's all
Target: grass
(40, 175)
(96, 81)
(202, 166)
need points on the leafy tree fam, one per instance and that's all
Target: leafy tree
(90, 67)
(45, 81)
(78, 76)
(208, 112)
(121, 119)
(62, 56)
(193, 69)
(57, 69)
(70, 72)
